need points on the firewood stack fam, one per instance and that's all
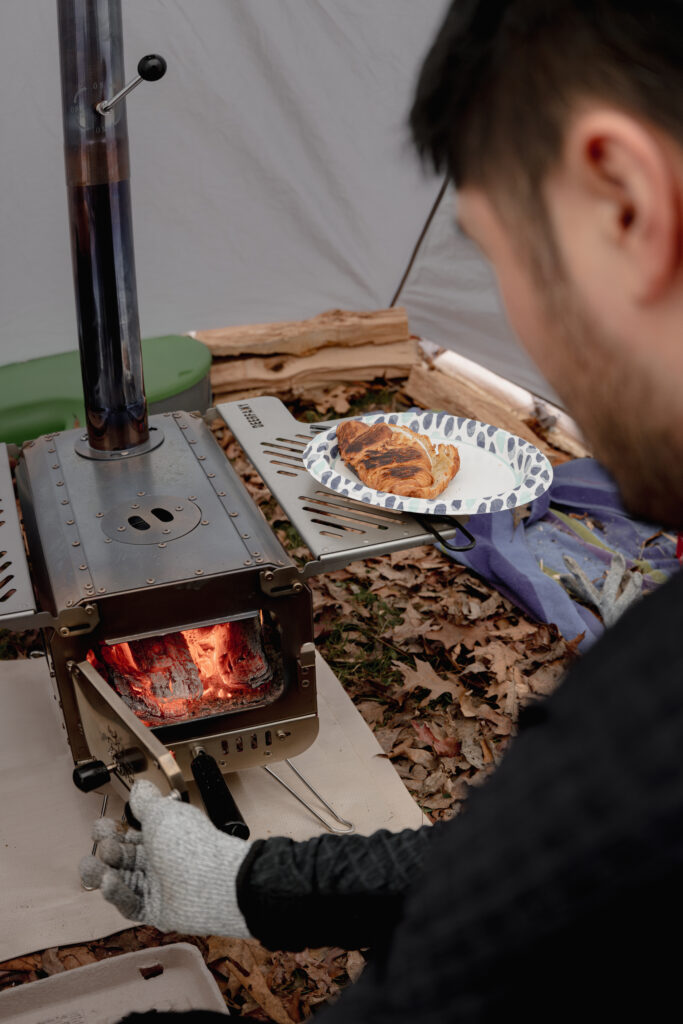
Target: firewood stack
(287, 359)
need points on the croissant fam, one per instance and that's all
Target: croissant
(392, 458)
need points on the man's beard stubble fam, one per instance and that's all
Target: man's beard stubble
(631, 415)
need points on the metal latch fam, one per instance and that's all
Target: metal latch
(305, 663)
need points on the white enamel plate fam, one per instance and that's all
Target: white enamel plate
(497, 470)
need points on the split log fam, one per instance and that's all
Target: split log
(301, 337)
(435, 390)
(328, 366)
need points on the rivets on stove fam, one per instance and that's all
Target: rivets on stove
(193, 440)
(151, 580)
(65, 501)
(193, 497)
(56, 465)
(83, 566)
(166, 529)
(205, 522)
(51, 450)
(69, 603)
(221, 494)
(107, 540)
(140, 493)
(162, 544)
(245, 536)
(201, 458)
(233, 514)
(179, 508)
(101, 590)
(99, 515)
(75, 543)
(135, 506)
(60, 483)
(211, 475)
(199, 572)
(120, 528)
(248, 561)
(69, 522)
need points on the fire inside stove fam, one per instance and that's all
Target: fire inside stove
(208, 670)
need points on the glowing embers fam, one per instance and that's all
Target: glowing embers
(209, 670)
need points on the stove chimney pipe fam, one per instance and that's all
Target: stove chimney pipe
(97, 178)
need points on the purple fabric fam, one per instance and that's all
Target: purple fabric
(509, 558)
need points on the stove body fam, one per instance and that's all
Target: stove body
(141, 547)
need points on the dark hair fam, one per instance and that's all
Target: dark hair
(497, 85)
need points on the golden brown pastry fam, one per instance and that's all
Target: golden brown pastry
(396, 459)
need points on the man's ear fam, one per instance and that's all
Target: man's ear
(623, 175)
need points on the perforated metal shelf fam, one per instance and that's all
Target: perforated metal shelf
(337, 530)
(16, 592)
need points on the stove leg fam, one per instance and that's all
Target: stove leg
(347, 826)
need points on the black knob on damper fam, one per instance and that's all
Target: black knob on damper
(91, 776)
(152, 67)
(218, 800)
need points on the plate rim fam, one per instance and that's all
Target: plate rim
(397, 502)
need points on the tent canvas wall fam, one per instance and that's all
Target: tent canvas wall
(272, 176)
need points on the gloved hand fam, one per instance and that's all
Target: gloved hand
(620, 589)
(178, 873)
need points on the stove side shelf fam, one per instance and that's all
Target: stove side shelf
(337, 530)
(17, 602)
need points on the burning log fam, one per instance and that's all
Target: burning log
(230, 656)
(195, 672)
(154, 675)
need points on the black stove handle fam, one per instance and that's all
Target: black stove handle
(218, 800)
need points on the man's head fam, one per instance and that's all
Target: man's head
(562, 126)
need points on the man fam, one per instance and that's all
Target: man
(562, 126)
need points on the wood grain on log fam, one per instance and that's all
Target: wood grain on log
(435, 390)
(363, 362)
(301, 337)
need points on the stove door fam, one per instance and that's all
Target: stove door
(118, 738)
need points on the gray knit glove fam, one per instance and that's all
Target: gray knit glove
(178, 873)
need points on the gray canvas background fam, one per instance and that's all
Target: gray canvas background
(272, 175)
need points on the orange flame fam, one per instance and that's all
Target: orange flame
(184, 674)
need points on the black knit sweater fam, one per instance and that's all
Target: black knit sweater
(556, 895)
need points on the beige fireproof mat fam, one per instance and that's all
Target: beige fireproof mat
(45, 821)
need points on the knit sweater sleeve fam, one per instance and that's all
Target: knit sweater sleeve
(345, 891)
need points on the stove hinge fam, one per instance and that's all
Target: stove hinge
(68, 622)
(305, 663)
(290, 579)
(281, 582)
